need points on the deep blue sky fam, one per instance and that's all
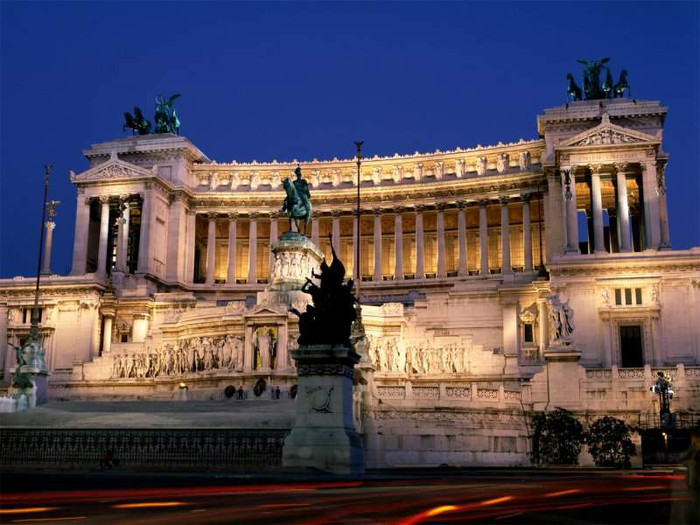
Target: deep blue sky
(303, 80)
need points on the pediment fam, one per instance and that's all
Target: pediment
(608, 134)
(266, 311)
(113, 169)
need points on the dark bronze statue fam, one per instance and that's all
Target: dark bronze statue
(137, 123)
(592, 87)
(622, 85)
(573, 91)
(329, 320)
(591, 77)
(608, 84)
(166, 117)
(297, 204)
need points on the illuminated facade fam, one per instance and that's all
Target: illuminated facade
(172, 261)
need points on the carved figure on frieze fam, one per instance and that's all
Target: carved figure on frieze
(329, 320)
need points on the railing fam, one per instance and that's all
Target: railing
(137, 448)
(450, 393)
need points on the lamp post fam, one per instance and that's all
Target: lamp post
(662, 387)
(358, 275)
(34, 330)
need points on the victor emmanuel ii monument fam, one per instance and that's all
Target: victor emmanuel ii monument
(495, 282)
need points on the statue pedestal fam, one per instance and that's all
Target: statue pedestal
(323, 436)
(295, 258)
(30, 382)
(563, 372)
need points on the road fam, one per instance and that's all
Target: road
(450, 496)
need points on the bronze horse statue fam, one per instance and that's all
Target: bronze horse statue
(297, 207)
(622, 85)
(136, 123)
(573, 91)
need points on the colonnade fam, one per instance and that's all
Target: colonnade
(652, 200)
(398, 267)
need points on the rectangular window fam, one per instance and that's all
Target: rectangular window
(638, 295)
(618, 296)
(528, 333)
(628, 295)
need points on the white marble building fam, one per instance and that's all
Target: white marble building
(172, 261)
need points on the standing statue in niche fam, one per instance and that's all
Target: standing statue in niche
(297, 203)
(561, 317)
(329, 319)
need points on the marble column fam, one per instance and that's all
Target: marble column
(123, 249)
(623, 210)
(144, 265)
(282, 362)
(527, 233)
(211, 249)
(274, 237)
(462, 238)
(253, 248)
(232, 231)
(420, 265)
(398, 243)
(506, 266)
(314, 228)
(248, 349)
(597, 207)
(665, 242)
(441, 264)
(483, 237)
(191, 242)
(80, 241)
(652, 217)
(377, 245)
(107, 332)
(46, 268)
(104, 235)
(570, 209)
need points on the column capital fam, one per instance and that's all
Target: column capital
(462, 205)
(274, 215)
(88, 200)
(253, 215)
(623, 167)
(50, 225)
(232, 216)
(504, 200)
(104, 199)
(212, 216)
(419, 208)
(483, 202)
(336, 214)
(526, 198)
(399, 210)
(597, 169)
(440, 206)
(377, 212)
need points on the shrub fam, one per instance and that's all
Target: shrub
(557, 438)
(609, 443)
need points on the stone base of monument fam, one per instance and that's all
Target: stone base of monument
(323, 436)
(562, 360)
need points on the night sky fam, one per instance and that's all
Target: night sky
(304, 80)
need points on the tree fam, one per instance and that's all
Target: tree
(558, 438)
(609, 443)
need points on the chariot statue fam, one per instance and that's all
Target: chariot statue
(137, 123)
(297, 203)
(594, 87)
(166, 116)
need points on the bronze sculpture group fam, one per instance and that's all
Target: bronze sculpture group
(329, 319)
(593, 88)
(165, 118)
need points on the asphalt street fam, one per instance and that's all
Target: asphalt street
(400, 497)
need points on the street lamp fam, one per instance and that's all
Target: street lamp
(662, 387)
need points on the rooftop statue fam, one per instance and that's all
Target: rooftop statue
(166, 117)
(329, 320)
(297, 203)
(136, 123)
(593, 89)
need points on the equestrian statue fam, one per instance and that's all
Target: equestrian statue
(297, 203)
